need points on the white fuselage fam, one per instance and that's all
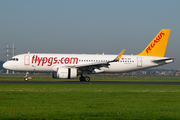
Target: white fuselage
(50, 62)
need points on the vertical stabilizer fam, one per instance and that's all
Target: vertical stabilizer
(157, 46)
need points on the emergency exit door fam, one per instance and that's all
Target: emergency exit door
(139, 61)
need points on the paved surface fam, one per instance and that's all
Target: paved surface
(91, 82)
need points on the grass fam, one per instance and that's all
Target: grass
(89, 101)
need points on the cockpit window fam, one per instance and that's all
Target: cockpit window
(14, 59)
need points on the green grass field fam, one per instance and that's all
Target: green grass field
(89, 101)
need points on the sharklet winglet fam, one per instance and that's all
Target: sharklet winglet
(119, 56)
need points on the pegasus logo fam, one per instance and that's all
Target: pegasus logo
(154, 42)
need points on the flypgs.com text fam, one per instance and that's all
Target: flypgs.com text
(40, 61)
(154, 42)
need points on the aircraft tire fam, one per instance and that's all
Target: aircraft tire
(81, 78)
(26, 79)
(87, 79)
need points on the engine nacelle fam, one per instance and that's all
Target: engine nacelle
(66, 73)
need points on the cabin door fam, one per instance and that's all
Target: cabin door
(26, 60)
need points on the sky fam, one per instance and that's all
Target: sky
(88, 27)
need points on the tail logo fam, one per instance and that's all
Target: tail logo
(154, 42)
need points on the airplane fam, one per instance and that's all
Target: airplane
(69, 66)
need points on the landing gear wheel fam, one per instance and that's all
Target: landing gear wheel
(26, 78)
(87, 79)
(81, 78)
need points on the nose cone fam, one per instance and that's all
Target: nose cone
(6, 65)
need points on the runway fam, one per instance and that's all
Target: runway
(91, 82)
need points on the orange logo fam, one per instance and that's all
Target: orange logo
(154, 42)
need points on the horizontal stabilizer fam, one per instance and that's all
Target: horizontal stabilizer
(164, 61)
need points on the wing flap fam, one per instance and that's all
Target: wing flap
(93, 66)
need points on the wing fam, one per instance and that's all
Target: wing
(90, 68)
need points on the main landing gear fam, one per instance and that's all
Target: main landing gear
(82, 78)
(26, 76)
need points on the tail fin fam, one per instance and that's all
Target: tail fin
(157, 46)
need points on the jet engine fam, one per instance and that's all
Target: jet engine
(66, 73)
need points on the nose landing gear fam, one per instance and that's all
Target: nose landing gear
(26, 76)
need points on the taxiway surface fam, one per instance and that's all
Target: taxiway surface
(91, 82)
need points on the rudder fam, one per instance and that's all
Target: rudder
(157, 46)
